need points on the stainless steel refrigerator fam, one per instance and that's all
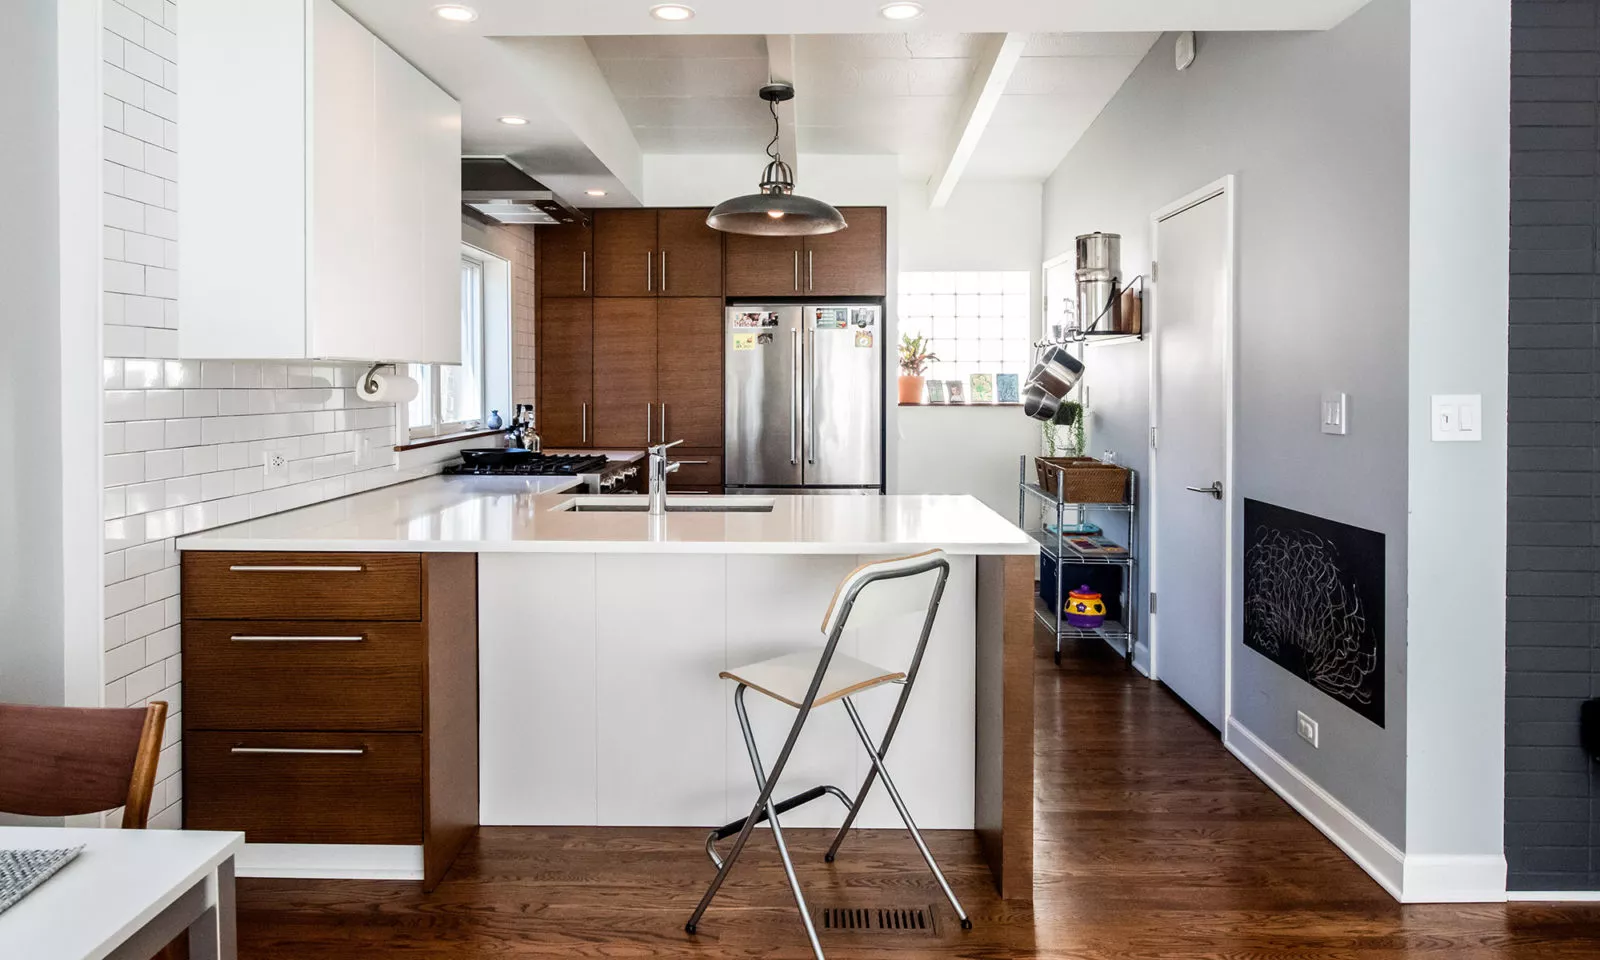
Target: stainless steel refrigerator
(804, 398)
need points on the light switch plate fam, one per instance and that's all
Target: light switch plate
(1457, 417)
(1335, 412)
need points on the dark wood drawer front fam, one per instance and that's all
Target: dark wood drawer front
(302, 586)
(298, 675)
(696, 475)
(370, 792)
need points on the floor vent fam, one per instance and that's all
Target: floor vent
(916, 921)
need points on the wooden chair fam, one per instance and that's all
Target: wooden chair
(66, 761)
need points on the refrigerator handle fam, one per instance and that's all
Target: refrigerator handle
(794, 399)
(811, 395)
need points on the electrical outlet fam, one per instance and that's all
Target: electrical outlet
(277, 465)
(1306, 728)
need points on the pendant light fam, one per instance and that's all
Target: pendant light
(776, 211)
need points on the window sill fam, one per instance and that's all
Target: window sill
(960, 404)
(448, 438)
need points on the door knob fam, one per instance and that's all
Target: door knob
(1215, 490)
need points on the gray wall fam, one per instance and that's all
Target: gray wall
(31, 645)
(1553, 620)
(1315, 127)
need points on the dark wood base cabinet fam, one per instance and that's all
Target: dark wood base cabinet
(332, 698)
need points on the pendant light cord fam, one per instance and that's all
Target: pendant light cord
(772, 153)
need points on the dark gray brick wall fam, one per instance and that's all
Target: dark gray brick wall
(1553, 495)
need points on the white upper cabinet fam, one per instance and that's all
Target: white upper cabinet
(320, 191)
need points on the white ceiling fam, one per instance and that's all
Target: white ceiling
(865, 85)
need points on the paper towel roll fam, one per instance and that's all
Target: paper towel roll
(387, 388)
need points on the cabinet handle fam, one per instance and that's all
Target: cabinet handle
(663, 417)
(585, 287)
(647, 410)
(267, 568)
(811, 271)
(649, 272)
(585, 423)
(797, 271)
(317, 751)
(268, 638)
(663, 271)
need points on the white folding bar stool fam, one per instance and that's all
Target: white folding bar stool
(871, 593)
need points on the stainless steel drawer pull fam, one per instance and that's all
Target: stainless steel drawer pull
(267, 638)
(245, 568)
(318, 751)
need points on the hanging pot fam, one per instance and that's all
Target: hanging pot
(1039, 403)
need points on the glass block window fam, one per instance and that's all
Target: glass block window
(977, 321)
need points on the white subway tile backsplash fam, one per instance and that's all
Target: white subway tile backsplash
(143, 248)
(161, 282)
(144, 434)
(197, 460)
(182, 433)
(141, 125)
(113, 247)
(124, 341)
(122, 277)
(160, 343)
(161, 645)
(163, 523)
(124, 214)
(111, 47)
(161, 223)
(111, 373)
(124, 405)
(166, 404)
(142, 374)
(232, 456)
(157, 160)
(124, 468)
(182, 491)
(141, 685)
(161, 584)
(115, 505)
(145, 497)
(141, 63)
(119, 83)
(216, 486)
(163, 464)
(122, 21)
(126, 659)
(145, 620)
(160, 101)
(200, 403)
(124, 150)
(111, 113)
(123, 596)
(182, 373)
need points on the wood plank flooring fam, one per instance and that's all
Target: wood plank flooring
(1153, 842)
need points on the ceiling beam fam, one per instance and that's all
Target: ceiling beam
(780, 69)
(565, 72)
(990, 75)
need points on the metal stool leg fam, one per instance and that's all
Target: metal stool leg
(866, 783)
(764, 799)
(900, 805)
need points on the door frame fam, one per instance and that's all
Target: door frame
(1226, 188)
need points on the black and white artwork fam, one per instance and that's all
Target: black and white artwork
(1313, 602)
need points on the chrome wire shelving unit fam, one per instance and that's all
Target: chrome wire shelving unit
(1120, 634)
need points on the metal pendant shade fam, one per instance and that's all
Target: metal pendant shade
(776, 211)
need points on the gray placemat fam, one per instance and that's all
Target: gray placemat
(22, 870)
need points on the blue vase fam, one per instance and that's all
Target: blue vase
(495, 423)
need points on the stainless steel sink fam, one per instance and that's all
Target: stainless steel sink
(680, 504)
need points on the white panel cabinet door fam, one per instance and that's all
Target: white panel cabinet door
(393, 325)
(344, 199)
(439, 147)
(536, 689)
(241, 170)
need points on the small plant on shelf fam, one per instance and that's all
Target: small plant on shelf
(914, 359)
(1072, 415)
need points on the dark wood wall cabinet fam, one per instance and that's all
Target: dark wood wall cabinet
(850, 263)
(332, 698)
(630, 344)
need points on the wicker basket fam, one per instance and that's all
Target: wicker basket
(1086, 479)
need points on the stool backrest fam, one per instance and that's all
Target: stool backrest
(885, 589)
(65, 761)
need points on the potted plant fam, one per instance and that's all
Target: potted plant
(914, 359)
(1071, 415)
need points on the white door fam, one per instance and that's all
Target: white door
(1190, 380)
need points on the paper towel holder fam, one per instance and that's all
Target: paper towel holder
(369, 385)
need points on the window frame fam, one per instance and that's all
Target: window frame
(428, 375)
(1012, 327)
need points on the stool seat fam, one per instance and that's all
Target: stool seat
(787, 678)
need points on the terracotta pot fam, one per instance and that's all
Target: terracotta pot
(910, 389)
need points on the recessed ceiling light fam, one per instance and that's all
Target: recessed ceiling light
(901, 10)
(455, 13)
(595, 193)
(514, 121)
(672, 11)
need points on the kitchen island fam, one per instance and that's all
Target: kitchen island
(599, 637)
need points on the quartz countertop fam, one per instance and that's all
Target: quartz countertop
(470, 514)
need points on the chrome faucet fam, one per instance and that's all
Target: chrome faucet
(659, 468)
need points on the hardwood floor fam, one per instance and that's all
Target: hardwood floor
(1153, 842)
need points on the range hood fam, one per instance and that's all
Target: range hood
(500, 191)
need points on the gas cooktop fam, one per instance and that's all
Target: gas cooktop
(524, 463)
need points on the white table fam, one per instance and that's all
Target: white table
(125, 896)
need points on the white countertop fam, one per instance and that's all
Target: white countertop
(513, 514)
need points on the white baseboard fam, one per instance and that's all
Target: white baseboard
(330, 861)
(1371, 851)
(1418, 878)
(1553, 896)
(1454, 878)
